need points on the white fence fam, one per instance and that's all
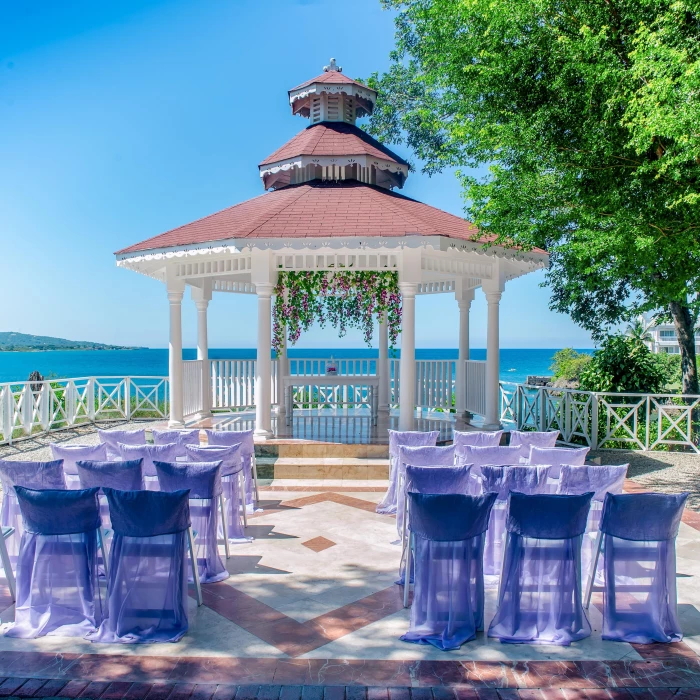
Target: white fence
(476, 387)
(27, 408)
(605, 420)
(192, 374)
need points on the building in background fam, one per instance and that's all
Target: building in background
(664, 339)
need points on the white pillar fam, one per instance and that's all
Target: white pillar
(407, 392)
(383, 364)
(492, 418)
(175, 358)
(461, 371)
(263, 364)
(202, 297)
(282, 371)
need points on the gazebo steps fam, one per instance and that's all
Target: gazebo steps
(307, 449)
(344, 468)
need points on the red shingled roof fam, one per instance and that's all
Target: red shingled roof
(318, 209)
(332, 139)
(330, 77)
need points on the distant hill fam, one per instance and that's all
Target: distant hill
(10, 341)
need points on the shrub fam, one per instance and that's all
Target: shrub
(568, 363)
(624, 365)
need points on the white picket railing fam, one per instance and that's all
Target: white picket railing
(27, 408)
(192, 373)
(605, 420)
(475, 376)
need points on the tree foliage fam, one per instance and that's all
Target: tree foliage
(567, 364)
(588, 115)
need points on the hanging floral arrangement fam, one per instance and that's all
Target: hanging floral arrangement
(341, 299)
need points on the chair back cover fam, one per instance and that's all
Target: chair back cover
(149, 453)
(70, 454)
(437, 479)
(179, 437)
(448, 601)
(496, 456)
(125, 476)
(229, 456)
(244, 438)
(639, 567)
(112, 438)
(148, 513)
(477, 438)
(600, 479)
(558, 456)
(539, 599)
(528, 439)
(204, 481)
(148, 568)
(389, 503)
(57, 591)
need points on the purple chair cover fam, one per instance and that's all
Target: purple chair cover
(540, 599)
(147, 583)
(125, 476)
(495, 456)
(448, 600)
(149, 454)
(112, 438)
(528, 439)
(70, 454)
(203, 479)
(501, 481)
(179, 437)
(57, 591)
(436, 480)
(558, 456)
(397, 438)
(244, 438)
(418, 457)
(31, 475)
(477, 438)
(639, 561)
(231, 466)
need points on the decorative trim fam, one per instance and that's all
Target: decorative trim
(363, 160)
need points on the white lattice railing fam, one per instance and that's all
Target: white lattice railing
(605, 420)
(27, 408)
(475, 377)
(192, 374)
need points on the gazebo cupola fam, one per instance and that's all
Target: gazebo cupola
(332, 147)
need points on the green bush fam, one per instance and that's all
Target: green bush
(623, 365)
(671, 367)
(568, 363)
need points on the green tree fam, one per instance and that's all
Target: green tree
(567, 364)
(640, 330)
(588, 116)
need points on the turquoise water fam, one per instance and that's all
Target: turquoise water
(16, 366)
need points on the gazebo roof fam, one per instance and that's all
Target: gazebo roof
(318, 209)
(334, 77)
(332, 139)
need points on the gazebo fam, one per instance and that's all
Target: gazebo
(330, 203)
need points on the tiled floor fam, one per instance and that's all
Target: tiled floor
(312, 602)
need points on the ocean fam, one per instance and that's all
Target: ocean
(516, 364)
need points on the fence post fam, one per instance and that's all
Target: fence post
(26, 409)
(594, 422)
(90, 398)
(542, 417)
(647, 427)
(127, 398)
(69, 402)
(44, 400)
(567, 416)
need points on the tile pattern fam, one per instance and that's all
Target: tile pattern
(318, 544)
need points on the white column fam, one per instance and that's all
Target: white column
(263, 364)
(492, 418)
(202, 297)
(175, 358)
(282, 371)
(383, 364)
(464, 305)
(407, 397)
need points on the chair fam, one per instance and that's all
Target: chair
(179, 437)
(203, 479)
(398, 438)
(530, 438)
(501, 481)
(447, 535)
(125, 476)
(638, 537)
(558, 456)
(149, 454)
(147, 582)
(70, 454)
(229, 438)
(57, 589)
(493, 456)
(31, 475)
(434, 480)
(539, 598)
(112, 438)
(477, 438)
(418, 457)
(232, 484)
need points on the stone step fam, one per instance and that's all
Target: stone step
(318, 450)
(324, 468)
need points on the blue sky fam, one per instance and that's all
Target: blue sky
(122, 119)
